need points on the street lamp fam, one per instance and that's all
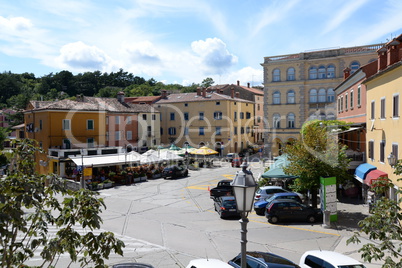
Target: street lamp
(244, 187)
(392, 159)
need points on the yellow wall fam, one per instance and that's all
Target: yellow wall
(388, 129)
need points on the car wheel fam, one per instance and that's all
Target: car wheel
(186, 174)
(259, 212)
(274, 219)
(311, 219)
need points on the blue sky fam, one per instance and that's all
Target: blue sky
(176, 41)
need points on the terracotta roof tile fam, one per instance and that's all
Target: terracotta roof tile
(189, 97)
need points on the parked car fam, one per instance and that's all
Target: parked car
(330, 259)
(260, 205)
(268, 191)
(224, 187)
(230, 156)
(236, 162)
(174, 172)
(226, 206)
(207, 263)
(291, 210)
(263, 260)
(132, 265)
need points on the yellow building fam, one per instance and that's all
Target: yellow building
(300, 87)
(384, 123)
(221, 122)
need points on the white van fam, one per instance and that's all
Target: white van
(328, 259)
(208, 263)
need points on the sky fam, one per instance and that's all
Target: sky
(183, 41)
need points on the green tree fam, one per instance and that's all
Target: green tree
(383, 226)
(207, 82)
(28, 207)
(317, 153)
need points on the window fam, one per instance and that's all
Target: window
(172, 131)
(354, 66)
(172, 116)
(322, 95)
(371, 150)
(129, 120)
(291, 74)
(382, 108)
(40, 124)
(313, 96)
(359, 92)
(90, 142)
(248, 115)
(129, 135)
(107, 135)
(322, 72)
(241, 115)
(161, 130)
(247, 130)
(276, 121)
(117, 118)
(235, 130)
(312, 72)
(372, 116)
(351, 99)
(276, 75)
(218, 103)
(90, 124)
(201, 131)
(330, 71)
(291, 96)
(154, 117)
(276, 98)
(66, 124)
(117, 135)
(346, 102)
(201, 116)
(66, 144)
(241, 130)
(218, 115)
(291, 120)
(107, 120)
(235, 116)
(331, 116)
(218, 131)
(144, 116)
(330, 95)
(149, 131)
(341, 103)
(186, 116)
(395, 106)
(186, 131)
(382, 151)
(186, 105)
(395, 150)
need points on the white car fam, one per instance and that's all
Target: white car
(208, 263)
(328, 259)
(268, 191)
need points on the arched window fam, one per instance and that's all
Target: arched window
(291, 74)
(276, 97)
(276, 121)
(330, 71)
(312, 72)
(321, 116)
(354, 66)
(322, 94)
(291, 120)
(313, 95)
(331, 116)
(322, 72)
(330, 95)
(312, 116)
(276, 75)
(291, 97)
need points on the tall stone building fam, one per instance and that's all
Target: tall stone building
(300, 87)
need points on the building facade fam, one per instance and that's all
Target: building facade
(300, 87)
(221, 122)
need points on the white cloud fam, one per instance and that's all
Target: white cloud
(214, 56)
(14, 24)
(142, 53)
(81, 57)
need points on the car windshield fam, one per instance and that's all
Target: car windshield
(352, 266)
(229, 204)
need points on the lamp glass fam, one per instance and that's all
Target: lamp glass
(244, 198)
(391, 159)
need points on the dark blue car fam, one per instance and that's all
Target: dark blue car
(259, 206)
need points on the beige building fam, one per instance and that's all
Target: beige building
(300, 87)
(221, 122)
(384, 123)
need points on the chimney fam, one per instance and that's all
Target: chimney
(238, 83)
(248, 85)
(204, 92)
(79, 98)
(346, 73)
(237, 94)
(382, 58)
(198, 91)
(232, 92)
(120, 96)
(164, 94)
(393, 52)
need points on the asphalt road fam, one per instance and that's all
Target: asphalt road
(167, 223)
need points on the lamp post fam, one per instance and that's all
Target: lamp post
(244, 187)
(82, 184)
(392, 159)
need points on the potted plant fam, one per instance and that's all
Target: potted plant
(100, 186)
(107, 184)
(112, 174)
(136, 177)
(143, 176)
